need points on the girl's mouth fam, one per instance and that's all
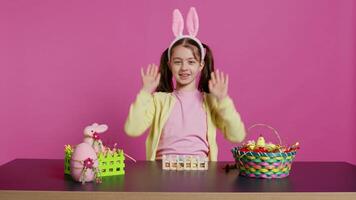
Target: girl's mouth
(184, 76)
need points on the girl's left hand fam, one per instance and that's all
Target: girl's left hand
(218, 84)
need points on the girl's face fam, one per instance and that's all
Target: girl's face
(184, 67)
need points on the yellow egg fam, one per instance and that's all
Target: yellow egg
(270, 147)
(251, 147)
(261, 142)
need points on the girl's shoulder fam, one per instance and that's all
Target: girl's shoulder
(162, 95)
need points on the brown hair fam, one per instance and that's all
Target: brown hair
(166, 81)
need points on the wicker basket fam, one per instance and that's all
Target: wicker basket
(110, 164)
(264, 164)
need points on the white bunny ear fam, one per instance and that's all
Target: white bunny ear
(101, 128)
(178, 23)
(193, 22)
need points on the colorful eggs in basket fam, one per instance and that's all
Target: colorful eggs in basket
(84, 163)
(261, 146)
(270, 147)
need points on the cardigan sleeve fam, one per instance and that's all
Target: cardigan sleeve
(140, 115)
(227, 119)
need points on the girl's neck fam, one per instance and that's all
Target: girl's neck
(186, 88)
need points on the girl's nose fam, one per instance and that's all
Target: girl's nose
(185, 65)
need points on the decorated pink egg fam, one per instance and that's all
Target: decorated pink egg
(84, 163)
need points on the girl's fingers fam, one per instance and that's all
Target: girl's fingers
(222, 77)
(156, 70)
(227, 80)
(152, 70)
(217, 76)
(213, 79)
(148, 71)
(210, 84)
(142, 72)
(158, 77)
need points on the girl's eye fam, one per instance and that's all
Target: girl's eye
(176, 62)
(191, 62)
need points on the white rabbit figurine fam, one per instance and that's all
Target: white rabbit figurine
(91, 136)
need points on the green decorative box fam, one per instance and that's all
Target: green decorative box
(111, 163)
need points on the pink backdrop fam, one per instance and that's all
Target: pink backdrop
(66, 64)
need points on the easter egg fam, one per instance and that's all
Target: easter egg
(260, 149)
(83, 163)
(270, 147)
(244, 149)
(260, 141)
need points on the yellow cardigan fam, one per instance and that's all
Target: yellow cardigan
(152, 110)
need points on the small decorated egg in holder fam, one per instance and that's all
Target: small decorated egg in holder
(258, 159)
(84, 164)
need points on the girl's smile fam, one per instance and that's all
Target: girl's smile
(184, 75)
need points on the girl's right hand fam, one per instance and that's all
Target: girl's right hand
(150, 79)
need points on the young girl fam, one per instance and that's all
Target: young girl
(183, 117)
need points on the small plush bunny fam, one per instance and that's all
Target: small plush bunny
(91, 136)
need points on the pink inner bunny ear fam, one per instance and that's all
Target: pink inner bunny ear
(193, 22)
(178, 23)
(102, 128)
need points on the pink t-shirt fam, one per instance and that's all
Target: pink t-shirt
(185, 132)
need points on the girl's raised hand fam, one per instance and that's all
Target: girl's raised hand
(218, 84)
(150, 79)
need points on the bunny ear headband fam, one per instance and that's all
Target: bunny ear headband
(192, 26)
